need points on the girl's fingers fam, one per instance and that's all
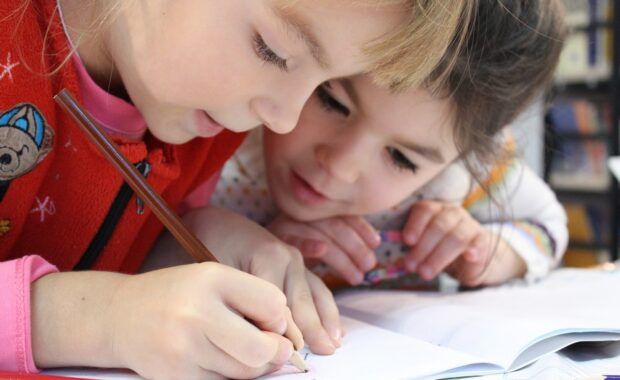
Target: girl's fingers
(304, 311)
(293, 333)
(275, 268)
(341, 263)
(241, 339)
(212, 357)
(468, 271)
(255, 298)
(448, 250)
(349, 242)
(310, 248)
(435, 231)
(364, 229)
(326, 307)
(420, 215)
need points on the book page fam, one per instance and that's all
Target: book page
(495, 324)
(369, 352)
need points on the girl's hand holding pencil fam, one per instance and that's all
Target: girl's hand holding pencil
(245, 245)
(174, 322)
(169, 323)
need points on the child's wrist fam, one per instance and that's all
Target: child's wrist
(506, 264)
(71, 319)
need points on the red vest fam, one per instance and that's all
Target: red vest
(59, 197)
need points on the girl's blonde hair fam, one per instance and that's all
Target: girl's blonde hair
(434, 32)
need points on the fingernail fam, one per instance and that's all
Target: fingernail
(357, 278)
(369, 262)
(426, 272)
(411, 238)
(375, 239)
(473, 254)
(336, 336)
(281, 327)
(412, 265)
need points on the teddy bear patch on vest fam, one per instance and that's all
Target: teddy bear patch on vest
(25, 140)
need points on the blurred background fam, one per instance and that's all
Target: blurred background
(569, 137)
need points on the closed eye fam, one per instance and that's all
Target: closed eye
(329, 103)
(398, 159)
(264, 52)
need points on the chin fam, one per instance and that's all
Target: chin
(171, 138)
(303, 213)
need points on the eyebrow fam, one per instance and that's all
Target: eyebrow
(430, 153)
(304, 32)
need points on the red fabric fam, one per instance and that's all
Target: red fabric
(55, 209)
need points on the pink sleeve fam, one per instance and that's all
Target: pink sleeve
(15, 279)
(201, 195)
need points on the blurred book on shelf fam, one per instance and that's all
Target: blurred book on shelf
(589, 233)
(586, 223)
(581, 12)
(587, 52)
(581, 116)
(580, 165)
(581, 132)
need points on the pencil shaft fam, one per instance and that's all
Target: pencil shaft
(135, 180)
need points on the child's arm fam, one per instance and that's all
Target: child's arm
(185, 322)
(527, 216)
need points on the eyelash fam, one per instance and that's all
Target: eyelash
(401, 161)
(265, 53)
(329, 103)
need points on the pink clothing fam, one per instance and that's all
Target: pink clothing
(114, 114)
(15, 279)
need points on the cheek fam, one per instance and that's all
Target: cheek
(207, 65)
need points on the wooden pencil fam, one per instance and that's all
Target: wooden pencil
(138, 183)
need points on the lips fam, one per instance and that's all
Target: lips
(304, 192)
(205, 126)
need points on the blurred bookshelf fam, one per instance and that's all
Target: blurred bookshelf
(581, 130)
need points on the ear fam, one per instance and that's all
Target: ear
(47, 144)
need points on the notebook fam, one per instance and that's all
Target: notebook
(407, 335)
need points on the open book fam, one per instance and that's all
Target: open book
(405, 335)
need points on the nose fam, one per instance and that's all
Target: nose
(343, 158)
(280, 111)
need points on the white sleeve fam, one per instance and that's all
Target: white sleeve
(525, 212)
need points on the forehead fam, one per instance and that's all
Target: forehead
(344, 28)
(414, 115)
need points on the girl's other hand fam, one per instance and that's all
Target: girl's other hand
(346, 244)
(447, 237)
